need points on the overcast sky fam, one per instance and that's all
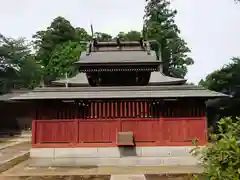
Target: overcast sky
(210, 27)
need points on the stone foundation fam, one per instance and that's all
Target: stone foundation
(113, 156)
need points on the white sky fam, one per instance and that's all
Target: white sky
(210, 27)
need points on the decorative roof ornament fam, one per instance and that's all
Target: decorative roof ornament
(89, 48)
(66, 77)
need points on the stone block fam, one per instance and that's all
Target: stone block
(76, 152)
(108, 161)
(180, 161)
(42, 152)
(165, 151)
(128, 177)
(40, 162)
(109, 152)
(64, 153)
(87, 161)
(64, 162)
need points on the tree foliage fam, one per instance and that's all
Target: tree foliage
(221, 159)
(102, 36)
(58, 47)
(130, 36)
(17, 65)
(61, 60)
(226, 79)
(160, 26)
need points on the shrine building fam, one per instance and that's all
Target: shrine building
(120, 110)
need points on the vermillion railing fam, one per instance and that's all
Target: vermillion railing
(102, 132)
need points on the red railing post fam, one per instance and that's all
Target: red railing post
(34, 125)
(77, 131)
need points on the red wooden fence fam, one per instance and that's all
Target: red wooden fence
(102, 132)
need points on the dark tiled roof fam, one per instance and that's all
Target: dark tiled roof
(118, 57)
(80, 79)
(159, 78)
(119, 92)
(8, 96)
(156, 78)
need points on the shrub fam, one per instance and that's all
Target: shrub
(221, 157)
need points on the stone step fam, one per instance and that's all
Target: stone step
(128, 177)
(128, 161)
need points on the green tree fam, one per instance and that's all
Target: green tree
(17, 65)
(61, 60)
(81, 35)
(129, 36)
(159, 25)
(57, 46)
(102, 36)
(226, 79)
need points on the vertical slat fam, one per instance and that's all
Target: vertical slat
(99, 109)
(134, 108)
(95, 110)
(146, 109)
(104, 109)
(125, 109)
(137, 108)
(76, 111)
(108, 109)
(91, 109)
(112, 109)
(115, 109)
(129, 109)
(141, 109)
(121, 109)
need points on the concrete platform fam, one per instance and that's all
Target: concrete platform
(23, 169)
(128, 177)
(113, 156)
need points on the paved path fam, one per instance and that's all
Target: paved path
(103, 177)
(8, 144)
(128, 177)
(12, 151)
(23, 169)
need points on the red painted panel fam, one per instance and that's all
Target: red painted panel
(173, 130)
(55, 131)
(102, 132)
(195, 129)
(143, 130)
(184, 129)
(98, 131)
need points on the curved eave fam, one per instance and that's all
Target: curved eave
(158, 78)
(80, 79)
(120, 92)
